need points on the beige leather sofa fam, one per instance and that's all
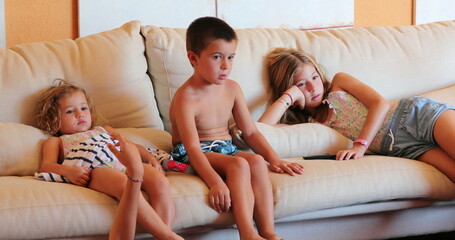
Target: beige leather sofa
(132, 73)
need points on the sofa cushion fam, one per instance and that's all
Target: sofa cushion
(329, 184)
(390, 59)
(20, 149)
(446, 95)
(110, 65)
(291, 141)
(20, 153)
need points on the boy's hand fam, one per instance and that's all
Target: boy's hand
(220, 198)
(281, 166)
(128, 155)
(78, 175)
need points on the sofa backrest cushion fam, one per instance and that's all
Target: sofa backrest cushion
(396, 61)
(110, 65)
(20, 153)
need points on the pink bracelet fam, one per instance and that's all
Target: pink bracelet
(362, 141)
(292, 100)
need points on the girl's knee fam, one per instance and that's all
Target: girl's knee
(154, 178)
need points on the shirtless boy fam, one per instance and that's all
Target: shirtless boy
(199, 113)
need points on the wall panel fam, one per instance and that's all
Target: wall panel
(383, 12)
(2, 24)
(39, 20)
(102, 15)
(427, 11)
(296, 14)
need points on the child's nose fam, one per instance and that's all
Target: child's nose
(225, 64)
(79, 114)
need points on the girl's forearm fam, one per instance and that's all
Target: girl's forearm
(124, 225)
(55, 168)
(375, 118)
(275, 111)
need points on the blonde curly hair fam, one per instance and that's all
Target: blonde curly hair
(48, 113)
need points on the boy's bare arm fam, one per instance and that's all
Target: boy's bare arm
(256, 140)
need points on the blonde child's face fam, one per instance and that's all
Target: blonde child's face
(310, 83)
(75, 115)
(214, 64)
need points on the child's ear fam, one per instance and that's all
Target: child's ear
(192, 57)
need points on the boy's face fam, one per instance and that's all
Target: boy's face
(214, 64)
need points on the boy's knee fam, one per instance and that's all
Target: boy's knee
(256, 161)
(239, 163)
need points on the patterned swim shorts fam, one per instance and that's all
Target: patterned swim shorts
(219, 146)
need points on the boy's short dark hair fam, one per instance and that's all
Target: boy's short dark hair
(206, 29)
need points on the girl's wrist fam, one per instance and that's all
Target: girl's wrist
(290, 97)
(285, 100)
(362, 142)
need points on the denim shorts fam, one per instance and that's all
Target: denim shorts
(219, 146)
(410, 132)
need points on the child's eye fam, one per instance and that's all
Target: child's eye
(84, 108)
(230, 58)
(69, 112)
(301, 84)
(315, 77)
(217, 57)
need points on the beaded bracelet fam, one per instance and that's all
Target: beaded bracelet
(134, 179)
(290, 96)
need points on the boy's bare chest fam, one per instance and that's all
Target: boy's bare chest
(214, 111)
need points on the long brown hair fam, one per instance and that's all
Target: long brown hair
(282, 65)
(48, 113)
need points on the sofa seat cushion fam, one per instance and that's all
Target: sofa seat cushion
(330, 183)
(50, 209)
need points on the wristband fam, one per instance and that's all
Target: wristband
(134, 179)
(362, 141)
(290, 96)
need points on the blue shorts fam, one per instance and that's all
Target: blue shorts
(410, 132)
(219, 146)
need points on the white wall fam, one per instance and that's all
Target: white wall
(427, 11)
(296, 14)
(101, 15)
(2, 24)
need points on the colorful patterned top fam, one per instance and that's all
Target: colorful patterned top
(349, 115)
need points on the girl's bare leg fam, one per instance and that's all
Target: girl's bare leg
(443, 157)
(237, 173)
(263, 195)
(111, 182)
(157, 187)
